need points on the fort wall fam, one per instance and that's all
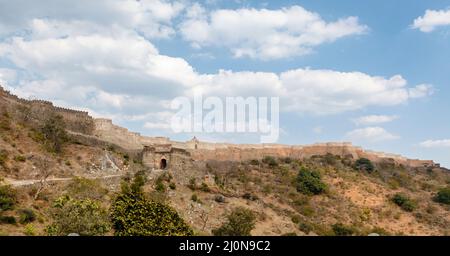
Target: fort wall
(104, 132)
(37, 110)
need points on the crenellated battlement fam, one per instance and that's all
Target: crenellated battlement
(35, 102)
(105, 130)
(38, 110)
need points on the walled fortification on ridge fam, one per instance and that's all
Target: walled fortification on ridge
(35, 110)
(199, 150)
(102, 131)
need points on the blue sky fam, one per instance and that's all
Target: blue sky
(379, 70)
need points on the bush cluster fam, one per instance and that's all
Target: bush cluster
(27, 216)
(82, 216)
(133, 214)
(404, 202)
(7, 198)
(270, 160)
(364, 164)
(240, 222)
(309, 182)
(340, 229)
(443, 196)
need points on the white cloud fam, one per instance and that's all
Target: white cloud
(374, 119)
(265, 34)
(115, 71)
(328, 91)
(436, 144)
(370, 134)
(153, 18)
(431, 20)
(420, 91)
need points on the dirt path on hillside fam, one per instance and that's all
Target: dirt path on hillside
(21, 183)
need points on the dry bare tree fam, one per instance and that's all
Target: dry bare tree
(204, 217)
(45, 168)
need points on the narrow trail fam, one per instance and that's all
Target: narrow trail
(21, 183)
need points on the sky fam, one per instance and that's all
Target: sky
(375, 73)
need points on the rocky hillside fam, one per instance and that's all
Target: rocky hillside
(48, 171)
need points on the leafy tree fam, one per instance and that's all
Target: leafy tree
(7, 198)
(309, 182)
(443, 196)
(54, 133)
(83, 216)
(404, 202)
(240, 222)
(364, 164)
(133, 214)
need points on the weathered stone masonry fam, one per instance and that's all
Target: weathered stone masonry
(162, 153)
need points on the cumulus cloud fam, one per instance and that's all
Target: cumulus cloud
(153, 18)
(431, 20)
(436, 144)
(263, 33)
(370, 134)
(374, 119)
(113, 70)
(328, 91)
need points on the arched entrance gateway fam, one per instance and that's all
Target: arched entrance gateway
(163, 164)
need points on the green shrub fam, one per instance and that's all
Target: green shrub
(250, 196)
(240, 222)
(160, 187)
(309, 182)
(192, 184)
(340, 229)
(8, 220)
(364, 164)
(330, 159)
(404, 202)
(81, 188)
(254, 162)
(270, 160)
(82, 216)
(27, 216)
(20, 158)
(305, 227)
(30, 230)
(443, 196)
(172, 186)
(194, 198)
(204, 187)
(287, 160)
(7, 198)
(133, 214)
(295, 219)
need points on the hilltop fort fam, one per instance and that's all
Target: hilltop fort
(162, 152)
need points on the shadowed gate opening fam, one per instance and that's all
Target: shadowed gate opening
(163, 164)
